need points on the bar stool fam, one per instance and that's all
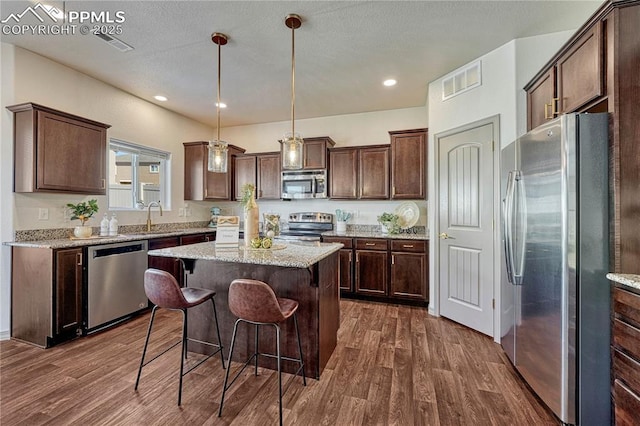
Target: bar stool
(254, 302)
(163, 290)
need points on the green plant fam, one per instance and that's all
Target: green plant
(390, 221)
(248, 190)
(83, 211)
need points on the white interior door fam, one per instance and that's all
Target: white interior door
(465, 226)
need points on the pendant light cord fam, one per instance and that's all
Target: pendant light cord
(218, 104)
(293, 81)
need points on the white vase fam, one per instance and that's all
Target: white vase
(384, 229)
(341, 227)
(82, 231)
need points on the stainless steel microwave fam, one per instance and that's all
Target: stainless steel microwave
(299, 184)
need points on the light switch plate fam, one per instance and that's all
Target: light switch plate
(43, 214)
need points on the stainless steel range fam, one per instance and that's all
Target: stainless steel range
(307, 226)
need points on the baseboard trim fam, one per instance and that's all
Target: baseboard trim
(5, 335)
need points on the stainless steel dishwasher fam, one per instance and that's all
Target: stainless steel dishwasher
(115, 282)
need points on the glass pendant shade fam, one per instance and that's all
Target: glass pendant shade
(291, 151)
(217, 157)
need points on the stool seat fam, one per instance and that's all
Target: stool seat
(195, 296)
(287, 306)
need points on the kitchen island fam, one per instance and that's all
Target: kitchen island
(304, 271)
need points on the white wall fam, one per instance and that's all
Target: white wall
(505, 71)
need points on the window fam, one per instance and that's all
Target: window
(138, 175)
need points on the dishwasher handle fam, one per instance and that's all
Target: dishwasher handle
(112, 251)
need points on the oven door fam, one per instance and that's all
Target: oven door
(298, 186)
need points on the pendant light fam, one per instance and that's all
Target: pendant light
(218, 149)
(292, 141)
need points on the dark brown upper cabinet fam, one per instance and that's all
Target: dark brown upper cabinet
(201, 184)
(409, 164)
(55, 151)
(269, 182)
(359, 173)
(315, 152)
(245, 172)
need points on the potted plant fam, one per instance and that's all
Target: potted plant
(83, 211)
(389, 223)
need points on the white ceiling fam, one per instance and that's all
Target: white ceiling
(344, 50)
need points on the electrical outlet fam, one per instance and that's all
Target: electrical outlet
(65, 214)
(181, 211)
(187, 211)
(43, 214)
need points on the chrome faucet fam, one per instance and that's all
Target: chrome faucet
(156, 203)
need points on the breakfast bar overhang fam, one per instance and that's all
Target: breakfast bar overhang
(305, 272)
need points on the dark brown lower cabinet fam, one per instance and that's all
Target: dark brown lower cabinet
(68, 292)
(625, 356)
(168, 264)
(383, 269)
(371, 272)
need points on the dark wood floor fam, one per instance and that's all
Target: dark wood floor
(393, 365)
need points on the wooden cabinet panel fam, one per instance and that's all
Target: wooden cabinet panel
(168, 264)
(68, 292)
(408, 164)
(371, 244)
(371, 272)
(408, 275)
(346, 262)
(580, 76)
(343, 173)
(627, 370)
(627, 338)
(541, 103)
(185, 240)
(413, 246)
(315, 152)
(269, 182)
(47, 145)
(627, 405)
(626, 306)
(245, 172)
(373, 173)
(201, 184)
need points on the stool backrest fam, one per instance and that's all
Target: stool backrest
(255, 301)
(163, 290)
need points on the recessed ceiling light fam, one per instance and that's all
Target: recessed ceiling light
(390, 82)
(222, 105)
(160, 98)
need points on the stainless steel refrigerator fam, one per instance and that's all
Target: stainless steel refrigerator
(555, 297)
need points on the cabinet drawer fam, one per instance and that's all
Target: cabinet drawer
(626, 305)
(348, 242)
(627, 370)
(627, 405)
(627, 338)
(159, 243)
(408, 245)
(371, 244)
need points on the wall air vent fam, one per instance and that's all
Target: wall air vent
(462, 80)
(114, 42)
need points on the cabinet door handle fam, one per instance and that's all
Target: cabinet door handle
(554, 107)
(393, 191)
(393, 259)
(407, 245)
(103, 183)
(546, 111)
(79, 259)
(357, 257)
(369, 244)
(350, 257)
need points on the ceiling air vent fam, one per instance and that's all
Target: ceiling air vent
(462, 80)
(114, 42)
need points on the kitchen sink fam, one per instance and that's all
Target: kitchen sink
(137, 234)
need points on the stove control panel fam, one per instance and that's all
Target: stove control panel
(310, 217)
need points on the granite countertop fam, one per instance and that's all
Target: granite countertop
(376, 234)
(96, 240)
(630, 280)
(292, 254)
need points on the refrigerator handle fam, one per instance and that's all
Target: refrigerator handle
(507, 205)
(519, 196)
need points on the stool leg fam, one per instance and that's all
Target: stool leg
(226, 376)
(146, 343)
(304, 377)
(183, 353)
(256, 353)
(215, 317)
(279, 371)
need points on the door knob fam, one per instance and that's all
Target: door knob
(444, 236)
